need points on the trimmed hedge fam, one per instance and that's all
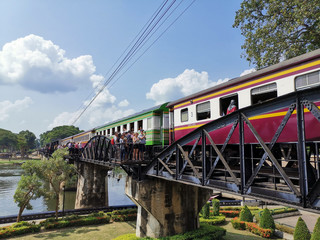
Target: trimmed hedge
(18, 229)
(237, 224)
(230, 213)
(206, 210)
(213, 220)
(316, 231)
(301, 231)
(245, 215)
(284, 228)
(266, 220)
(215, 207)
(124, 215)
(239, 208)
(81, 221)
(254, 228)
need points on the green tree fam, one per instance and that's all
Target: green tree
(266, 220)
(57, 172)
(245, 214)
(58, 133)
(8, 140)
(316, 231)
(26, 141)
(278, 29)
(301, 231)
(29, 187)
(206, 211)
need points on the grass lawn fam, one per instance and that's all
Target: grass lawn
(105, 232)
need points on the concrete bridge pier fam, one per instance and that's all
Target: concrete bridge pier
(165, 208)
(92, 186)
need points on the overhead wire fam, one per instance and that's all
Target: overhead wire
(138, 45)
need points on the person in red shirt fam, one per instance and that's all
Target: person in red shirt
(232, 107)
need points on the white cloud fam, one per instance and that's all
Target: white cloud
(123, 103)
(40, 65)
(188, 82)
(247, 71)
(7, 107)
(64, 118)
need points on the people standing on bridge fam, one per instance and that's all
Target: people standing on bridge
(135, 141)
(129, 144)
(232, 107)
(142, 145)
(122, 144)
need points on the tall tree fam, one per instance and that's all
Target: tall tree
(58, 133)
(57, 172)
(278, 29)
(26, 141)
(8, 140)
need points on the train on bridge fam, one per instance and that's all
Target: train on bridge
(256, 135)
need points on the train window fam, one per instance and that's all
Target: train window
(203, 111)
(228, 104)
(124, 128)
(118, 129)
(104, 132)
(140, 125)
(263, 93)
(131, 127)
(113, 131)
(307, 80)
(108, 131)
(184, 115)
(149, 123)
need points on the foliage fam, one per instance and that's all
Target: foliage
(56, 171)
(254, 228)
(216, 207)
(81, 221)
(213, 220)
(238, 208)
(230, 213)
(18, 229)
(130, 236)
(274, 30)
(301, 231)
(8, 140)
(206, 211)
(124, 211)
(58, 133)
(284, 228)
(29, 187)
(26, 141)
(245, 215)
(316, 231)
(237, 224)
(266, 220)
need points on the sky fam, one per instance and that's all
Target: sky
(56, 55)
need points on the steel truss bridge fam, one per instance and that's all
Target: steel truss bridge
(284, 173)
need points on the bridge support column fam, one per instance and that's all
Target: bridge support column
(92, 186)
(166, 208)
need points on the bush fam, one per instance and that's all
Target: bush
(124, 218)
(216, 207)
(18, 229)
(124, 211)
(266, 220)
(254, 228)
(97, 214)
(245, 215)
(316, 231)
(301, 231)
(206, 211)
(230, 213)
(213, 220)
(131, 236)
(237, 224)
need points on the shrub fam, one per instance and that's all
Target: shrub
(245, 215)
(206, 211)
(237, 224)
(254, 228)
(216, 207)
(301, 231)
(266, 220)
(18, 229)
(124, 211)
(124, 218)
(316, 231)
(97, 214)
(230, 213)
(131, 236)
(213, 220)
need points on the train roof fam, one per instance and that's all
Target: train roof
(268, 70)
(152, 109)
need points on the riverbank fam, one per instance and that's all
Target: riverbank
(16, 161)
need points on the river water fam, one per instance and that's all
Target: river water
(10, 176)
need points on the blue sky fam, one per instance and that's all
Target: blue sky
(53, 54)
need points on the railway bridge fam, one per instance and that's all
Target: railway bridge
(171, 187)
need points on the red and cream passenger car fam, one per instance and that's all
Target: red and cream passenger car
(188, 113)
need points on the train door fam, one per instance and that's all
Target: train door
(171, 126)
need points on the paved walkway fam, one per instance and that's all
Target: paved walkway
(308, 217)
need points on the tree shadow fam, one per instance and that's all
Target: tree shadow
(64, 232)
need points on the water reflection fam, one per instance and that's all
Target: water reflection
(10, 176)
